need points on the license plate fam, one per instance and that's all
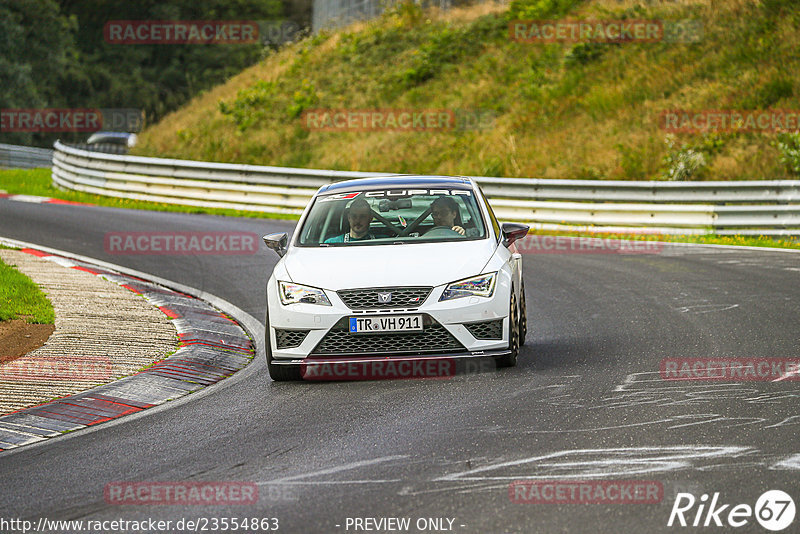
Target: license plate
(394, 323)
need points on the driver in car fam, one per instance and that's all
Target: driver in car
(444, 211)
(359, 215)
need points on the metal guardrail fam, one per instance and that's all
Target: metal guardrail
(745, 207)
(24, 157)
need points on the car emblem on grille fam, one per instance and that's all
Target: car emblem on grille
(384, 298)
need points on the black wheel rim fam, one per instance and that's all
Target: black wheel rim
(514, 331)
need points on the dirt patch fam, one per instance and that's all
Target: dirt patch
(18, 338)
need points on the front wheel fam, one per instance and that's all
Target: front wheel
(510, 359)
(278, 373)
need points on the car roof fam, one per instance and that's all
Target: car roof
(395, 182)
(110, 137)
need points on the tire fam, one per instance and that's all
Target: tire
(278, 373)
(510, 360)
(523, 317)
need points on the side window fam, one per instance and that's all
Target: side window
(492, 218)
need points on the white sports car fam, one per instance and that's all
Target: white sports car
(391, 277)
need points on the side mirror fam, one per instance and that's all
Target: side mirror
(513, 232)
(277, 242)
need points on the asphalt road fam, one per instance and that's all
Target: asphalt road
(586, 402)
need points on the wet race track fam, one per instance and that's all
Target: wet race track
(588, 401)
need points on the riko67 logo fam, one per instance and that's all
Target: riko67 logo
(774, 510)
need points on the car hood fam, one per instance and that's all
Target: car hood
(424, 264)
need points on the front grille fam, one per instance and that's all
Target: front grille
(486, 329)
(434, 338)
(367, 298)
(289, 339)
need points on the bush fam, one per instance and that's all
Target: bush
(250, 105)
(405, 14)
(684, 162)
(540, 9)
(583, 53)
(303, 99)
(789, 146)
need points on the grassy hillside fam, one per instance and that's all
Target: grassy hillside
(561, 110)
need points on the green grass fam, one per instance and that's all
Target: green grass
(561, 110)
(21, 298)
(734, 240)
(38, 182)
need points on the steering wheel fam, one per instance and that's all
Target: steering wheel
(441, 231)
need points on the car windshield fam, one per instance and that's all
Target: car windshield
(393, 216)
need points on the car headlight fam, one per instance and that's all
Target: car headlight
(477, 286)
(293, 293)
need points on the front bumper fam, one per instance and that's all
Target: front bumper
(381, 359)
(319, 329)
(395, 367)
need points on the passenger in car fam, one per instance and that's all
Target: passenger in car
(359, 215)
(445, 211)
